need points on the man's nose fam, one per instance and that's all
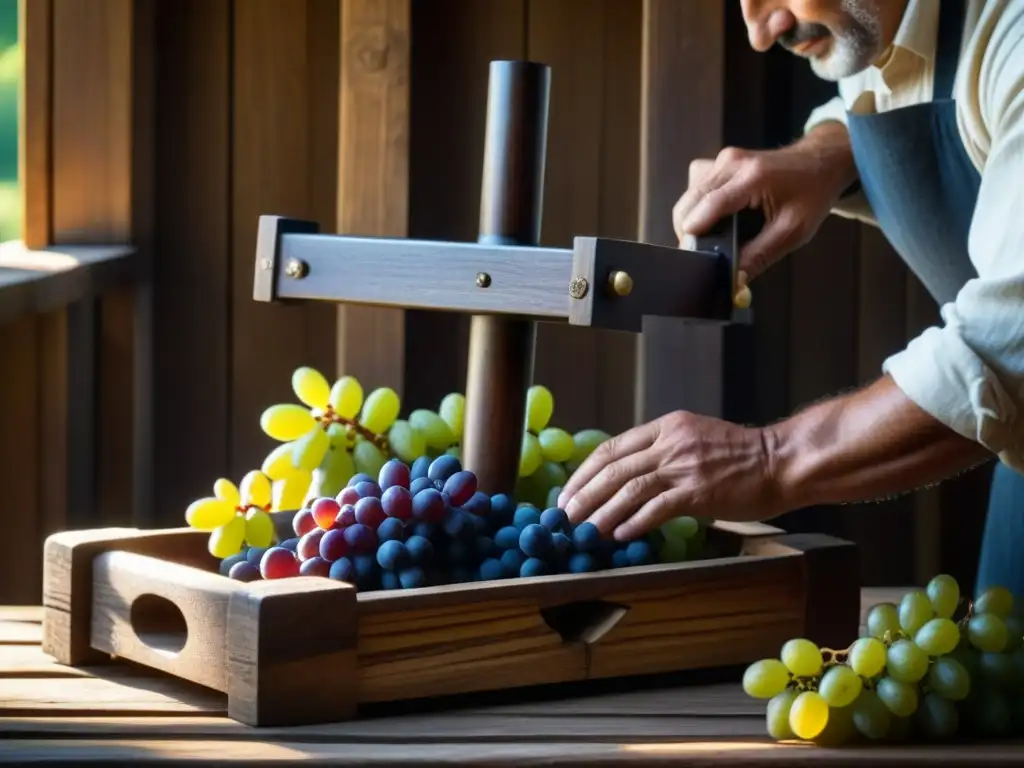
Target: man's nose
(766, 20)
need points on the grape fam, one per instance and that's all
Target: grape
(419, 468)
(640, 553)
(428, 506)
(286, 422)
(883, 618)
(460, 553)
(311, 387)
(309, 544)
(346, 516)
(412, 578)
(533, 567)
(289, 493)
(552, 497)
(226, 491)
(938, 637)
(310, 449)
(255, 489)
(333, 545)
(244, 571)
(535, 541)
(915, 611)
(503, 510)
(279, 563)
(325, 512)
(999, 670)
(380, 409)
(368, 489)
(870, 716)
(343, 570)
(315, 566)
(937, 717)
(329, 477)
(987, 632)
(944, 594)
(391, 529)
(680, 529)
(906, 662)
(227, 539)
(346, 397)
(581, 562)
(620, 559)
(585, 443)
(397, 502)
(839, 730)
(278, 464)
(460, 487)
(948, 678)
(435, 430)
(421, 551)
(479, 504)
(556, 444)
(453, 411)
(443, 467)
(340, 436)
(228, 562)
(348, 495)
(586, 537)
(867, 657)
(1014, 632)
(406, 442)
(987, 711)
(370, 512)
(839, 686)
(421, 484)
(512, 562)
(674, 551)
(259, 528)
(491, 570)
(808, 715)
(255, 554)
(361, 538)
(899, 698)
(366, 458)
(765, 679)
(456, 523)
(997, 601)
(554, 519)
(367, 572)
(393, 473)
(530, 455)
(540, 404)
(525, 516)
(292, 545)
(426, 530)
(303, 522)
(777, 715)
(389, 581)
(209, 514)
(356, 479)
(485, 548)
(392, 555)
(802, 658)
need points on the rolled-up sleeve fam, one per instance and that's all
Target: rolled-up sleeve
(969, 373)
(855, 205)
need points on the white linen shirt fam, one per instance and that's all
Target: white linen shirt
(969, 373)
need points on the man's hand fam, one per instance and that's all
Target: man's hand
(680, 464)
(795, 187)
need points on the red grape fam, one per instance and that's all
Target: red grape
(397, 502)
(325, 511)
(333, 545)
(315, 566)
(369, 511)
(393, 473)
(460, 487)
(347, 516)
(309, 545)
(244, 571)
(361, 538)
(279, 563)
(348, 496)
(368, 488)
(428, 506)
(303, 522)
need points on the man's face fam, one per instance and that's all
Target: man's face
(839, 37)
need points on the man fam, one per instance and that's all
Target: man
(926, 140)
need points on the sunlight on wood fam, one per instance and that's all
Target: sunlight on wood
(702, 747)
(14, 255)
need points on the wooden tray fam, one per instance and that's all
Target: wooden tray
(310, 650)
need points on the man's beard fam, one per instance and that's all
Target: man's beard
(854, 46)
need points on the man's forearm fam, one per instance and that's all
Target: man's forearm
(829, 144)
(867, 445)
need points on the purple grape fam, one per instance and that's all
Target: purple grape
(581, 562)
(419, 468)
(255, 554)
(535, 541)
(397, 502)
(586, 537)
(503, 509)
(303, 522)
(370, 512)
(443, 467)
(561, 543)
(485, 548)
(393, 473)
(512, 561)
(315, 566)
(389, 581)
(507, 537)
(343, 570)
(640, 553)
(292, 544)
(533, 567)
(334, 545)
(361, 538)
(525, 516)
(279, 563)
(421, 551)
(412, 578)
(309, 545)
(355, 480)
(460, 487)
(426, 530)
(368, 489)
(391, 529)
(476, 523)
(392, 555)
(554, 519)
(491, 570)
(243, 570)
(348, 496)
(367, 572)
(479, 504)
(420, 484)
(228, 563)
(347, 516)
(428, 506)
(455, 523)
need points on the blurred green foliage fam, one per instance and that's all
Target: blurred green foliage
(10, 76)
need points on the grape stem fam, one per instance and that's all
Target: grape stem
(329, 417)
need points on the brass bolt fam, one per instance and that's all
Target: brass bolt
(578, 287)
(296, 269)
(483, 280)
(620, 283)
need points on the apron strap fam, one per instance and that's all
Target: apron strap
(947, 48)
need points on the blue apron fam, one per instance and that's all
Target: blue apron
(923, 188)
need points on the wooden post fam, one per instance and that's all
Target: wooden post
(500, 365)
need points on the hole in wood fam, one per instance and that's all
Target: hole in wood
(584, 622)
(159, 624)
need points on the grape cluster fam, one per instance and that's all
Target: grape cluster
(932, 667)
(235, 515)
(429, 524)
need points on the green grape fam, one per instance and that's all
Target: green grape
(948, 678)
(808, 715)
(802, 658)
(1014, 632)
(906, 662)
(338, 434)
(999, 671)
(777, 715)
(209, 513)
(765, 679)
(839, 730)
(987, 711)
(346, 397)
(938, 637)
(455, 451)
(254, 489)
(226, 540)
(435, 430)
(898, 697)
(310, 449)
(839, 686)
(867, 656)
(380, 410)
(944, 594)
(453, 411)
(870, 716)
(278, 464)
(367, 458)
(259, 528)
(674, 551)
(311, 387)
(407, 442)
(937, 717)
(530, 455)
(987, 632)
(289, 493)
(883, 618)
(286, 421)
(585, 442)
(556, 444)
(536, 488)
(227, 492)
(915, 611)
(540, 404)
(968, 657)
(553, 494)
(995, 600)
(334, 472)
(680, 528)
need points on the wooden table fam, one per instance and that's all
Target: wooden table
(54, 715)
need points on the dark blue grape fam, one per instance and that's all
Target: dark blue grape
(343, 570)
(507, 537)
(460, 487)
(561, 543)
(525, 516)
(477, 523)
(461, 574)
(491, 570)
(512, 561)
(255, 554)
(640, 553)
(426, 530)
(455, 523)
(393, 473)
(361, 538)
(586, 537)
(581, 562)
(460, 552)
(428, 506)
(479, 504)
(443, 467)
(419, 469)
(533, 567)
(367, 572)
(391, 529)
(243, 570)
(485, 548)
(554, 519)
(420, 484)
(389, 580)
(392, 555)
(292, 543)
(356, 479)
(535, 541)
(620, 559)
(502, 510)
(412, 578)
(421, 551)
(228, 562)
